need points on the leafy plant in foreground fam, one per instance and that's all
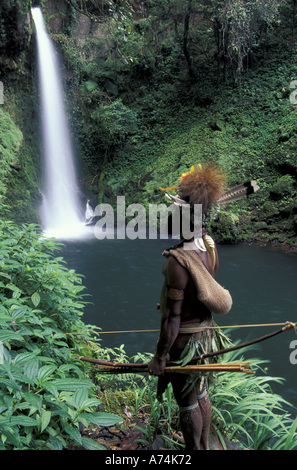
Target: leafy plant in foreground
(246, 408)
(45, 392)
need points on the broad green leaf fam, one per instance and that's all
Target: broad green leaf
(45, 419)
(46, 371)
(31, 368)
(81, 400)
(12, 437)
(91, 444)
(91, 402)
(19, 312)
(67, 367)
(61, 343)
(8, 335)
(80, 396)
(71, 384)
(59, 335)
(55, 444)
(24, 357)
(102, 419)
(38, 332)
(4, 317)
(9, 383)
(22, 378)
(33, 399)
(51, 389)
(35, 299)
(19, 420)
(73, 433)
(5, 275)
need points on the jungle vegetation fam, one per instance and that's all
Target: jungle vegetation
(50, 399)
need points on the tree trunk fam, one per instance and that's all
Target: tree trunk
(187, 54)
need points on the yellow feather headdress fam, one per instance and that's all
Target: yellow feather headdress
(203, 184)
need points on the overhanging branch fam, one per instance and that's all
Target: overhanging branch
(83, 9)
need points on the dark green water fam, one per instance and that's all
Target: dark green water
(123, 278)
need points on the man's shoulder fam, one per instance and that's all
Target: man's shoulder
(177, 275)
(178, 259)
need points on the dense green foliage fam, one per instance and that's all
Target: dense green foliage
(45, 392)
(246, 406)
(10, 142)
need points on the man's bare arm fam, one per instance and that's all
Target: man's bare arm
(176, 279)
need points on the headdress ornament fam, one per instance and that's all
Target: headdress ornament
(203, 184)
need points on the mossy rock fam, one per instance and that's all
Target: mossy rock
(116, 401)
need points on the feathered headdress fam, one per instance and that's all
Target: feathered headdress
(203, 184)
(206, 184)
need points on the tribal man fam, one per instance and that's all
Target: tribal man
(189, 297)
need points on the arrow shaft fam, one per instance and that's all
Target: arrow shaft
(287, 326)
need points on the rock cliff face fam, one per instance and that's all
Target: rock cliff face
(14, 36)
(20, 140)
(18, 155)
(58, 15)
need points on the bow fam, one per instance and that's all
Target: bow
(190, 368)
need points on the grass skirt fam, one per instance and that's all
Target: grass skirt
(212, 340)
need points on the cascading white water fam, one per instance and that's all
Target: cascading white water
(60, 208)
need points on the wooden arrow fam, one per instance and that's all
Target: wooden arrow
(122, 368)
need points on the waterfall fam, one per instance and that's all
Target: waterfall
(60, 214)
